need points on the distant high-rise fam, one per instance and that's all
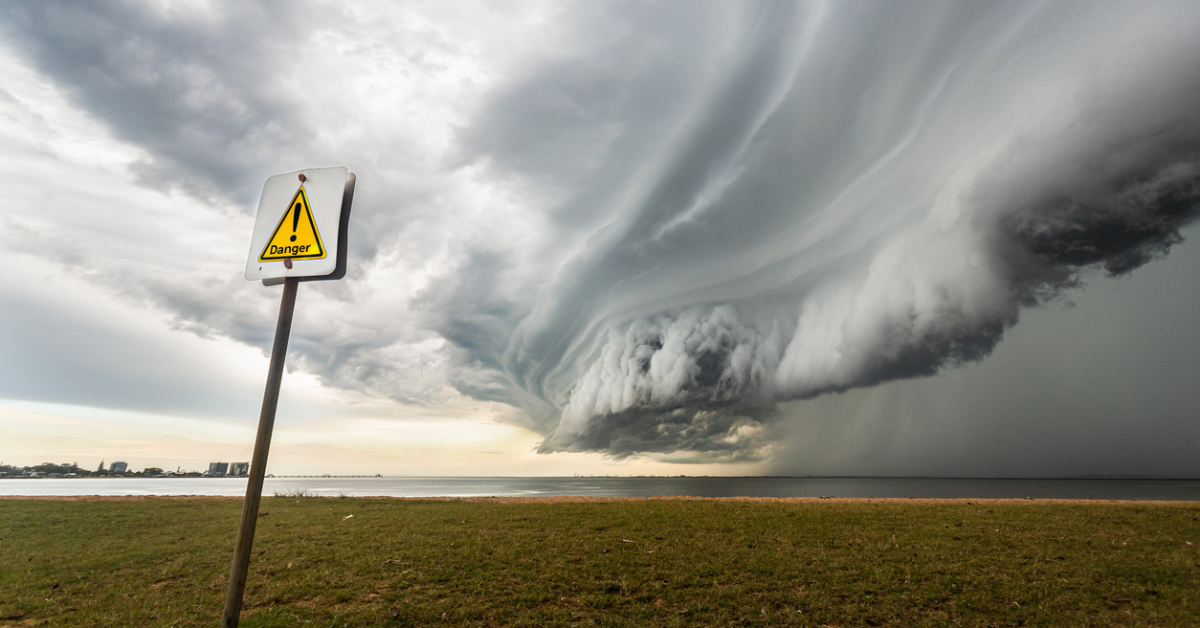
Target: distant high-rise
(239, 469)
(218, 468)
(118, 467)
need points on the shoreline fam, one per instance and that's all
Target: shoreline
(967, 501)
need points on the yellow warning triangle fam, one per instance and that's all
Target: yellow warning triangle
(296, 235)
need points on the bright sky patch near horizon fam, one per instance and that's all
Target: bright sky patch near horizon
(663, 238)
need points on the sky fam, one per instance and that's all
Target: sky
(610, 238)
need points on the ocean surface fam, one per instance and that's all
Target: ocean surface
(1169, 490)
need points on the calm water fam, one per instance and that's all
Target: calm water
(1172, 490)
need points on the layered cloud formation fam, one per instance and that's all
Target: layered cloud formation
(644, 226)
(861, 194)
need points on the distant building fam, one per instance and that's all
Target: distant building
(239, 469)
(218, 468)
(118, 467)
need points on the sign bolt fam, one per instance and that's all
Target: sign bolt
(287, 262)
(303, 178)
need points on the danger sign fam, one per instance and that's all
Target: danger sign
(300, 230)
(302, 241)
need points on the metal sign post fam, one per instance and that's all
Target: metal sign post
(258, 465)
(303, 239)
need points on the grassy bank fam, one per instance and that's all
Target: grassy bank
(164, 562)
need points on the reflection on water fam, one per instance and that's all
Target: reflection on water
(1172, 490)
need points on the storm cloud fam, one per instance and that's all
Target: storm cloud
(645, 226)
(860, 193)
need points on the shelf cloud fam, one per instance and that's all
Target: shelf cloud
(855, 194)
(645, 226)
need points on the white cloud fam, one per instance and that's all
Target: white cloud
(642, 226)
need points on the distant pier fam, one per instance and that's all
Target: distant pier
(377, 475)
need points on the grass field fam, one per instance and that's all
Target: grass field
(643, 562)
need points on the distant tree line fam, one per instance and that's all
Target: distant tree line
(65, 469)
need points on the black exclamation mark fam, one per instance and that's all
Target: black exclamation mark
(295, 221)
